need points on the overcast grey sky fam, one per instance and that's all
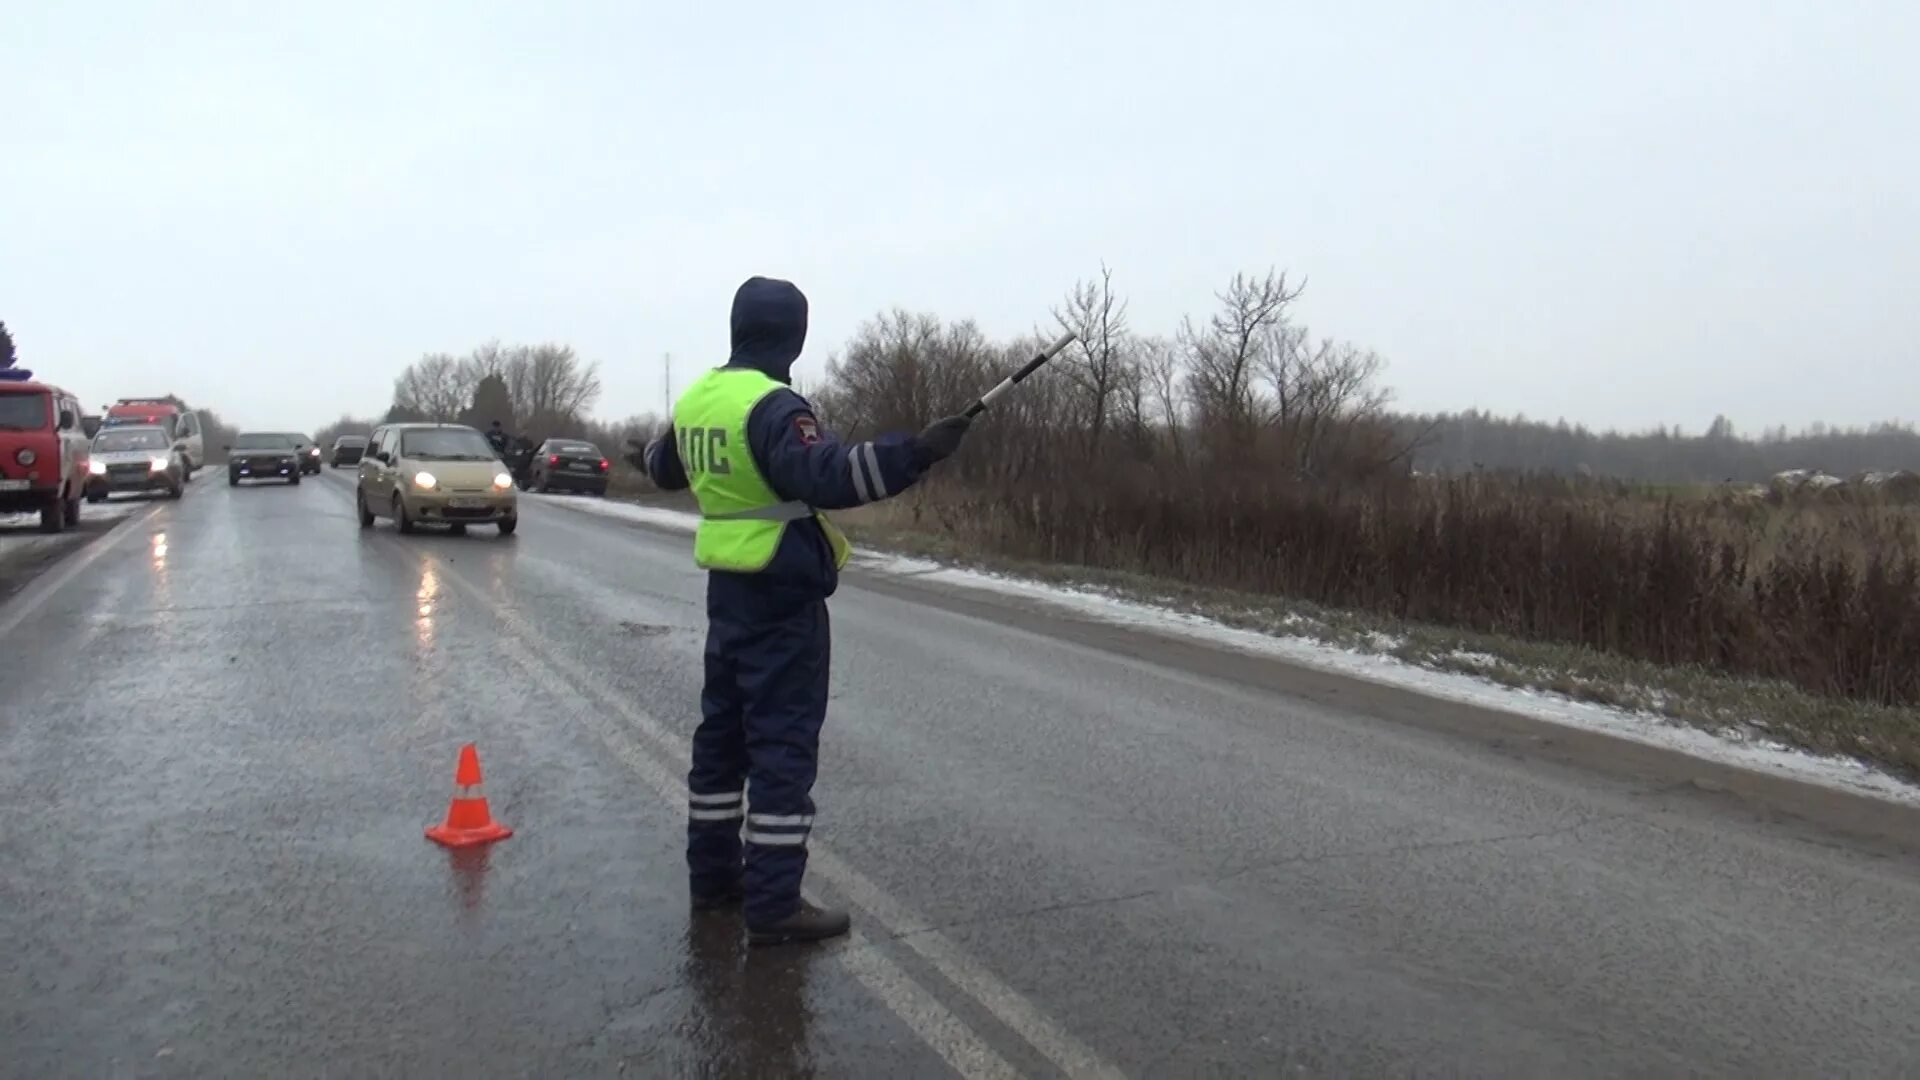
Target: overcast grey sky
(1622, 213)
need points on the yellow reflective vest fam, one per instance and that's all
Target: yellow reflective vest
(741, 519)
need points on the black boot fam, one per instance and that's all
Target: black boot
(808, 924)
(728, 897)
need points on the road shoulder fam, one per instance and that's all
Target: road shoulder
(26, 553)
(1807, 807)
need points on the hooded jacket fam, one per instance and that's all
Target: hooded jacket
(799, 459)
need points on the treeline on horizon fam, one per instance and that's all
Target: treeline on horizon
(1474, 440)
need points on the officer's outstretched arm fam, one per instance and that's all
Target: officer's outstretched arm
(802, 461)
(663, 464)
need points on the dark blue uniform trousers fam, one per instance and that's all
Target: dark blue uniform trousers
(757, 747)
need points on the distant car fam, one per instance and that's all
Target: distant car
(438, 474)
(309, 452)
(132, 458)
(569, 465)
(263, 455)
(43, 452)
(347, 450)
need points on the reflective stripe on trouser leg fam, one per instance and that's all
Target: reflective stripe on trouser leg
(715, 782)
(779, 830)
(783, 678)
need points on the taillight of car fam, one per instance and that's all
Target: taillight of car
(553, 459)
(605, 464)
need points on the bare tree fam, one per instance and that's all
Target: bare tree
(1224, 358)
(550, 387)
(902, 369)
(1160, 374)
(1323, 397)
(491, 358)
(435, 386)
(1101, 360)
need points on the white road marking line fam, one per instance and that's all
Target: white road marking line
(35, 596)
(1006, 1004)
(933, 1023)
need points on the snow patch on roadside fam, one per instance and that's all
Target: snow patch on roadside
(1730, 747)
(26, 525)
(1760, 755)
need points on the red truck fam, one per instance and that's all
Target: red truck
(44, 453)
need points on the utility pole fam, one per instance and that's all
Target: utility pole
(669, 386)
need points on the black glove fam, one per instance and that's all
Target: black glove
(940, 440)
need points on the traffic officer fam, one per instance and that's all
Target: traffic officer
(762, 469)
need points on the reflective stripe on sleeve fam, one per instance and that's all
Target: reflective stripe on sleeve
(860, 488)
(873, 470)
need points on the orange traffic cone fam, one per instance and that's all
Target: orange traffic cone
(469, 822)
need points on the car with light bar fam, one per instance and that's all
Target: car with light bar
(434, 474)
(182, 425)
(263, 455)
(348, 449)
(134, 459)
(44, 453)
(569, 465)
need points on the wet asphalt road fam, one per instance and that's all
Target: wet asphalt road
(224, 727)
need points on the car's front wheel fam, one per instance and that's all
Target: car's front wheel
(360, 510)
(295, 478)
(400, 517)
(233, 480)
(507, 525)
(53, 515)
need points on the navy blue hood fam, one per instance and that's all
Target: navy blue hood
(769, 326)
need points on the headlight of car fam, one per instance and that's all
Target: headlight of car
(25, 456)
(502, 481)
(96, 466)
(424, 480)
(160, 464)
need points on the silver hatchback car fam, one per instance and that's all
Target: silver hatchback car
(135, 458)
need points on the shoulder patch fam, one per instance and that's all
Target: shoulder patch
(804, 426)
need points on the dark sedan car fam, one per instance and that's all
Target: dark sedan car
(309, 452)
(348, 450)
(263, 455)
(568, 465)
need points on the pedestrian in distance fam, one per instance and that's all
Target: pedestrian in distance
(498, 438)
(762, 469)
